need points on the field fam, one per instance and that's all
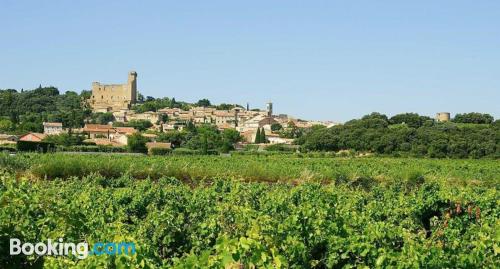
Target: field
(254, 211)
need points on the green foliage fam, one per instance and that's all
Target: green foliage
(473, 117)
(154, 104)
(263, 138)
(102, 118)
(137, 143)
(26, 110)
(203, 103)
(374, 134)
(6, 125)
(176, 138)
(268, 167)
(413, 120)
(275, 127)
(35, 146)
(65, 139)
(140, 125)
(356, 223)
(280, 147)
(257, 137)
(161, 151)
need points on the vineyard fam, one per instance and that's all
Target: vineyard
(254, 211)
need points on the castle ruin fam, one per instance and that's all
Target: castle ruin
(114, 97)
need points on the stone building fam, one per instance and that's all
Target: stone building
(52, 128)
(443, 116)
(114, 97)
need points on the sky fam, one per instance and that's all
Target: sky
(321, 60)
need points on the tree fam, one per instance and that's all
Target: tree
(140, 125)
(162, 118)
(6, 125)
(176, 138)
(411, 119)
(473, 117)
(140, 98)
(137, 143)
(257, 137)
(68, 139)
(204, 103)
(276, 127)
(263, 138)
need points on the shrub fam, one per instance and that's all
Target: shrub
(35, 146)
(160, 151)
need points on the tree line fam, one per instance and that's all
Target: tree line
(470, 135)
(25, 111)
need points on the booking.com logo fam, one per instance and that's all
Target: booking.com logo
(61, 248)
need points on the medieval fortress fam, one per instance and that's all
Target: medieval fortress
(114, 97)
(119, 99)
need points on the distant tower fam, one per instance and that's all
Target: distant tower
(269, 108)
(443, 116)
(248, 106)
(132, 83)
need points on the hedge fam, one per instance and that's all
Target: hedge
(35, 146)
(160, 151)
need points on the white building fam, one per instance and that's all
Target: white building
(52, 128)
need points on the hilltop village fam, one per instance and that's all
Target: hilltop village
(119, 99)
(120, 104)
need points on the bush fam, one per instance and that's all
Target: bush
(160, 151)
(280, 147)
(185, 151)
(7, 148)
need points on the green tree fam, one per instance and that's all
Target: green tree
(6, 125)
(275, 127)
(411, 119)
(257, 137)
(473, 117)
(203, 103)
(137, 143)
(263, 138)
(140, 125)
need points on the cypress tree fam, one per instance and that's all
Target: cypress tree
(257, 136)
(263, 138)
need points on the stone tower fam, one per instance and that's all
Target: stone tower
(132, 83)
(269, 108)
(443, 116)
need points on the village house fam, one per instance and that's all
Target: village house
(52, 128)
(276, 139)
(8, 139)
(107, 134)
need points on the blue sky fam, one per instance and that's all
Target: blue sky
(327, 60)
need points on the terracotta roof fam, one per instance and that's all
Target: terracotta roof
(150, 145)
(125, 130)
(108, 128)
(39, 135)
(219, 113)
(96, 127)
